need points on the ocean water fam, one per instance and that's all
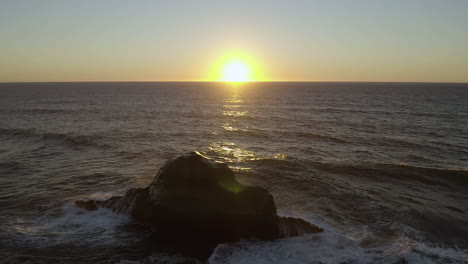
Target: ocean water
(382, 167)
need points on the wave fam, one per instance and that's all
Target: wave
(320, 137)
(73, 226)
(11, 165)
(42, 111)
(333, 247)
(269, 134)
(162, 257)
(86, 141)
(69, 140)
(17, 132)
(431, 176)
(59, 102)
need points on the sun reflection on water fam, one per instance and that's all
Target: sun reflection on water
(227, 126)
(229, 152)
(233, 113)
(232, 106)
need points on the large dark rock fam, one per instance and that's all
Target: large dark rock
(196, 201)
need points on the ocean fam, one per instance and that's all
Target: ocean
(381, 167)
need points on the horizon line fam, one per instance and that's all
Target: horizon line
(203, 81)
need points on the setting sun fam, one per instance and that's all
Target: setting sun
(236, 67)
(236, 71)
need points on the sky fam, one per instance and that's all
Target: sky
(327, 40)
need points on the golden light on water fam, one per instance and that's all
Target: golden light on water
(234, 115)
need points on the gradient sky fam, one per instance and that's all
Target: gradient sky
(367, 40)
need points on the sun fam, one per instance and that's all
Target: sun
(236, 67)
(236, 71)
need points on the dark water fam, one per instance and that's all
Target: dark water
(383, 168)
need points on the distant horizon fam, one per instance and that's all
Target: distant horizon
(229, 82)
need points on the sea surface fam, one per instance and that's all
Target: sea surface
(381, 167)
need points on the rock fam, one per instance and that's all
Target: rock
(401, 261)
(87, 205)
(291, 227)
(196, 201)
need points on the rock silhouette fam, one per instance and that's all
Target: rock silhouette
(195, 203)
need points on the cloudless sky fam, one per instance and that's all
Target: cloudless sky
(333, 40)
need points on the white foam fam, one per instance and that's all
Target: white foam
(423, 253)
(332, 246)
(75, 226)
(326, 247)
(87, 221)
(100, 227)
(103, 195)
(162, 258)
